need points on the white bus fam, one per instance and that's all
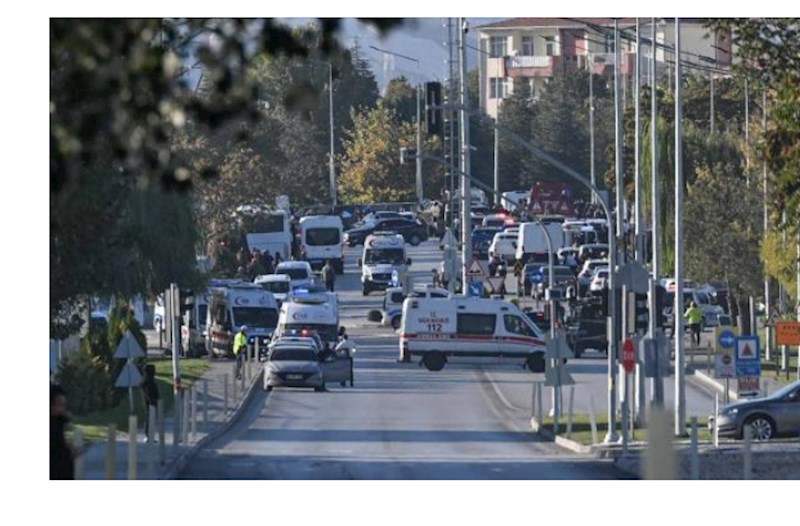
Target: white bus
(267, 229)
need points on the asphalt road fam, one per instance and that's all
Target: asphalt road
(400, 421)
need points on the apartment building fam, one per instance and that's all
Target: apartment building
(529, 51)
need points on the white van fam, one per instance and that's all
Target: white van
(321, 240)
(193, 329)
(504, 246)
(230, 308)
(435, 330)
(310, 312)
(532, 242)
(384, 254)
(299, 272)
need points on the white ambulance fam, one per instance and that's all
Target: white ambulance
(436, 330)
(321, 240)
(384, 254)
(234, 306)
(311, 312)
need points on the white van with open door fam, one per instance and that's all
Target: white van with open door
(436, 330)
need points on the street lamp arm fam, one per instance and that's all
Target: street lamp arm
(526, 144)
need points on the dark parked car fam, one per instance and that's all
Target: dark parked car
(587, 329)
(414, 232)
(768, 417)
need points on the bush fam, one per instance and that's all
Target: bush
(87, 382)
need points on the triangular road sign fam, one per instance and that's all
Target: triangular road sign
(747, 351)
(475, 269)
(555, 376)
(495, 282)
(774, 318)
(129, 377)
(128, 347)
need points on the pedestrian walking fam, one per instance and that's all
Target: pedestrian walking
(278, 259)
(62, 456)
(151, 396)
(328, 275)
(240, 349)
(694, 317)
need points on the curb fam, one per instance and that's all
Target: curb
(714, 384)
(180, 462)
(566, 443)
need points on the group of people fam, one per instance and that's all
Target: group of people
(257, 264)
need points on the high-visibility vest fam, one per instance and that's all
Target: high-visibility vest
(239, 341)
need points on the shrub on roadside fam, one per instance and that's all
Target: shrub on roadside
(87, 382)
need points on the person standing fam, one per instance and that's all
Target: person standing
(240, 349)
(62, 456)
(694, 317)
(151, 396)
(328, 275)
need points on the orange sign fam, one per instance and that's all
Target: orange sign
(787, 333)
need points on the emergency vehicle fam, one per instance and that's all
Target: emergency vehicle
(437, 330)
(230, 308)
(321, 240)
(310, 312)
(392, 313)
(384, 254)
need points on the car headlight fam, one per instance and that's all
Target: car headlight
(731, 412)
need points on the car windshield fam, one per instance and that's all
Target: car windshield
(780, 393)
(293, 273)
(292, 354)
(260, 317)
(326, 332)
(322, 236)
(276, 287)
(391, 256)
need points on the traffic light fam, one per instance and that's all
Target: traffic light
(642, 313)
(433, 116)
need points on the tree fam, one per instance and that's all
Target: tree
(402, 98)
(768, 52)
(370, 165)
(723, 240)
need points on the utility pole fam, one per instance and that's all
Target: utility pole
(639, 197)
(680, 365)
(613, 234)
(592, 176)
(331, 166)
(420, 196)
(466, 239)
(497, 142)
(767, 302)
(658, 386)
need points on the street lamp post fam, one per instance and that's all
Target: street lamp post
(680, 360)
(466, 197)
(331, 157)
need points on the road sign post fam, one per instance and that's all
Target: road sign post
(748, 365)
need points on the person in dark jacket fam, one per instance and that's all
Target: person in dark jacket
(62, 457)
(150, 392)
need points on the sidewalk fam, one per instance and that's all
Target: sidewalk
(94, 460)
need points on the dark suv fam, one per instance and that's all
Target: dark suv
(414, 232)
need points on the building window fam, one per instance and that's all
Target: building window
(498, 88)
(527, 47)
(609, 45)
(497, 47)
(550, 46)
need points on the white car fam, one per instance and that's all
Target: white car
(504, 246)
(587, 271)
(598, 282)
(280, 285)
(299, 272)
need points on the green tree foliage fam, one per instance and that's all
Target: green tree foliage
(780, 259)
(402, 98)
(768, 52)
(370, 165)
(722, 229)
(87, 380)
